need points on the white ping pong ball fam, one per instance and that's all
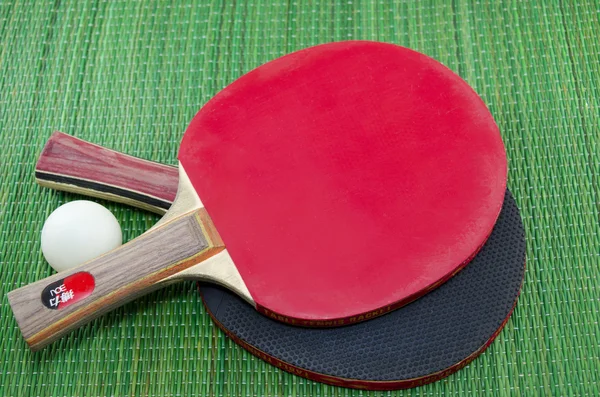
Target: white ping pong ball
(77, 232)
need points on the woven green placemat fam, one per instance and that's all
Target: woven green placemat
(130, 75)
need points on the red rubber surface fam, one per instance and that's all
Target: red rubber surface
(315, 166)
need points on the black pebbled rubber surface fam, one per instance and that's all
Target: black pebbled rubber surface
(429, 335)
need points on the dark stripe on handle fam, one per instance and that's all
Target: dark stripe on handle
(91, 188)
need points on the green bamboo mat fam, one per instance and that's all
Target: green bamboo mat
(130, 75)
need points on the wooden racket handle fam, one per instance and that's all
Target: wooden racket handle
(74, 165)
(105, 283)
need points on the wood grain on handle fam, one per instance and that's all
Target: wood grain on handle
(74, 165)
(121, 275)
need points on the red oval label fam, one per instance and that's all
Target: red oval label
(71, 289)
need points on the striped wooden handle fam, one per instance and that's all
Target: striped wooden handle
(50, 308)
(74, 165)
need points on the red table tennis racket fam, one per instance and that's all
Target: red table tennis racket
(417, 344)
(304, 169)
